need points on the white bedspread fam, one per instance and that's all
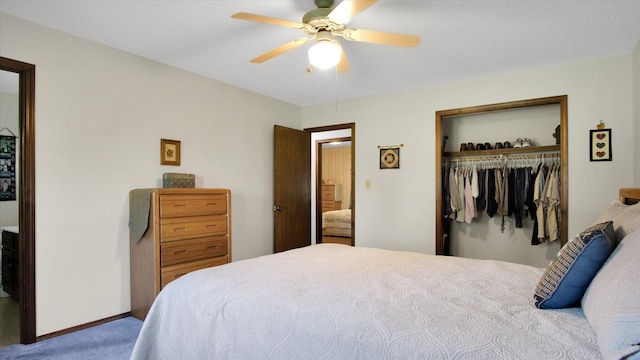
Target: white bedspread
(340, 302)
(340, 219)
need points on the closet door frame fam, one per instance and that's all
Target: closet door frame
(443, 115)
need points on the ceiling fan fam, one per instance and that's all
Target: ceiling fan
(325, 24)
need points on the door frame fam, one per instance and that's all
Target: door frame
(318, 195)
(26, 188)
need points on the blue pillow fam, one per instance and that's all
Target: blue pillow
(569, 274)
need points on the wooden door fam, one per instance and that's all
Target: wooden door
(292, 189)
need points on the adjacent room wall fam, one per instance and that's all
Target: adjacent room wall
(398, 210)
(336, 167)
(9, 119)
(100, 115)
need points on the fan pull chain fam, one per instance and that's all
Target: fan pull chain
(336, 74)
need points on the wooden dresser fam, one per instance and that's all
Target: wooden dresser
(331, 197)
(10, 261)
(188, 229)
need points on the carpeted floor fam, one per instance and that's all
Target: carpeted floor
(111, 341)
(9, 321)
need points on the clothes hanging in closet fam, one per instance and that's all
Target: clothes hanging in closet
(509, 189)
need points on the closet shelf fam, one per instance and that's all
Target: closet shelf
(509, 151)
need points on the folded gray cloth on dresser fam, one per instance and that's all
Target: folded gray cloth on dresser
(139, 203)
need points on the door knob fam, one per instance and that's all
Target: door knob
(276, 208)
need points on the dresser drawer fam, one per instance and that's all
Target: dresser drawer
(181, 251)
(192, 205)
(328, 205)
(198, 226)
(170, 273)
(9, 240)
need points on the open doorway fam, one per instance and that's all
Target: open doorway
(25, 188)
(333, 177)
(334, 180)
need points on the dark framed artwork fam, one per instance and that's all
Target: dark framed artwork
(390, 158)
(169, 152)
(7, 168)
(600, 145)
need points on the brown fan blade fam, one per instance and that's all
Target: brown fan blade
(343, 65)
(381, 37)
(268, 20)
(281, 49)
(348, 9)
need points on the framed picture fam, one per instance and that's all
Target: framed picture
(600, 145)
(390, 158)
(169, 152)
(7, 168)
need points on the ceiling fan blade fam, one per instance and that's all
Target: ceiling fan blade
(281, 49)
(343, 65)
(268, 20)
(381, 37)
(348, 9)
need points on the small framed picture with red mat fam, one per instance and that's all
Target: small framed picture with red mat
(169, 152)
(600, 145)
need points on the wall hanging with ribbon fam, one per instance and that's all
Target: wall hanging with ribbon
(600, 143)
(7, 166)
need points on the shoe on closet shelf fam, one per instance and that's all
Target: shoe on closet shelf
(470, 146)
(480, 146)
(499, 145)
(463, 147)
(517, 143)
(527, 142)
(487, 146)
(507, 145)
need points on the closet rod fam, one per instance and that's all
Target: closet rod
(502, 157)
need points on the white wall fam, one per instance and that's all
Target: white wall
(9, 119)
(398, 211)
(636, 113)
(100, 115)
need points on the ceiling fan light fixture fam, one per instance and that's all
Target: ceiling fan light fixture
(325, 53)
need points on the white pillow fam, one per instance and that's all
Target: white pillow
(626, 218)
(612, 301)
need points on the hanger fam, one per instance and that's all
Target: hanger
(10, 132)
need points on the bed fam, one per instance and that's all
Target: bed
(336, 226)
(330, 301)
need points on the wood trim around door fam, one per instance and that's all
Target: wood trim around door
(352, 200)
(26, 206)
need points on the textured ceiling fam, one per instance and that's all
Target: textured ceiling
(460, 40)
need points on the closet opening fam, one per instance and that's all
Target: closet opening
(520, 138)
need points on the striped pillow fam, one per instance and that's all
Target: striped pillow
(569, 274)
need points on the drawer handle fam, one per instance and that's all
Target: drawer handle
(178, 275)
(184, 228)
(212, 225)
(181, 252)
(179, 205)
(213, 247)
(212, 204)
